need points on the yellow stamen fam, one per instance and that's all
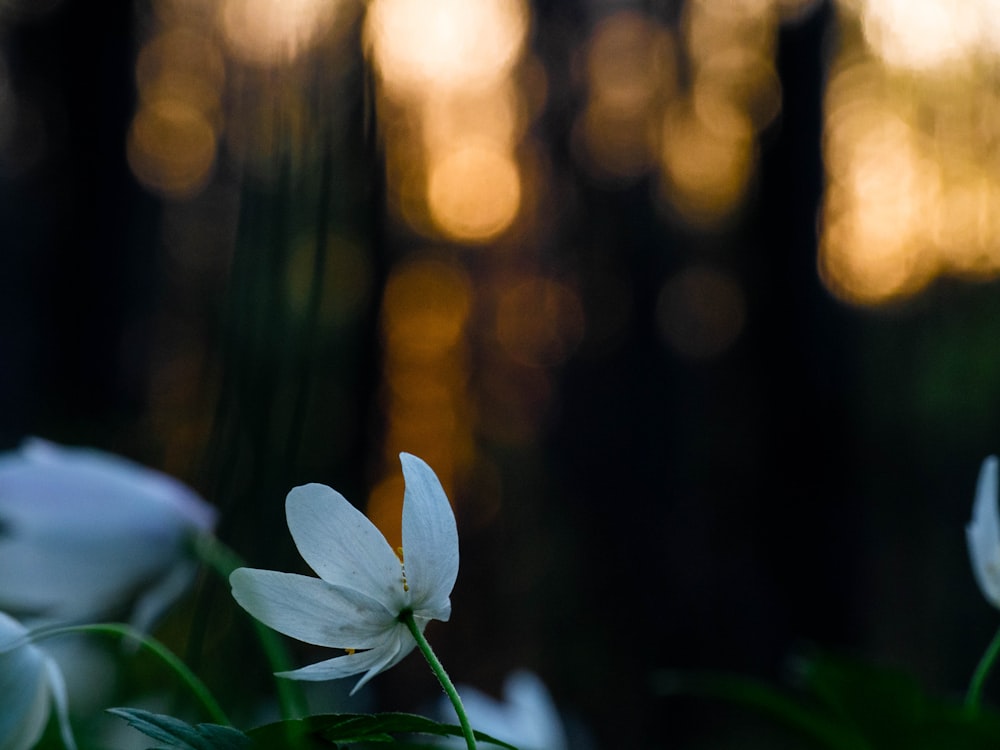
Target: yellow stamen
(349, 651)
(399, 554)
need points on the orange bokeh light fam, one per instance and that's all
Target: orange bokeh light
(474, 192)
(424, 308)
(171, 148)
(422, 44)
(269, 32)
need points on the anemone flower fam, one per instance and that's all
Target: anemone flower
(983, 533)
(30, 683)
(364, 589)
(526, 717)
(84, 533)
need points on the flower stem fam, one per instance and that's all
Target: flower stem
(438, 670)
(168, 657)
(224, 561)
(982, 671)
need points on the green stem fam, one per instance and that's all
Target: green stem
(438, 670)
(224, 561)
(168, 657)
(972, 697)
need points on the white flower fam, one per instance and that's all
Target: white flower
(29, 683)
(363, 587)
(526, 718)
(83, 533)
(983, 533)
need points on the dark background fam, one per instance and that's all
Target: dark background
(808, 486)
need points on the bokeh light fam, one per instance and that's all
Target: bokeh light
(182, 64)
(424, 396)
(631, 70)
(474, 192)
(493, 114)
(424, 308)
(171, 148)
(423, 44)
(707, 165)
(910, 148)
(577, 256)
(925, 35)
(268, 32)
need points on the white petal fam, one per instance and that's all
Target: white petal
(57, 686)
(390, 652)
(24, 693)
(983, 533)
(343, 546)
(311, 609)
(69, 516)
(430, 540)
(534, 712)
(526, 717)
(104, 478)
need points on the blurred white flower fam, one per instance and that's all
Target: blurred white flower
(84, 533)
(526, 717)
(30, 683)
(983, 533)
(363, 587)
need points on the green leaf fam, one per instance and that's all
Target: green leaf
(344, 729)
(851, 705)
(891, 709)
(863, 695)
(174, 733)
(781, 705)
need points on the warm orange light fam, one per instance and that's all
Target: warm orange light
(924, 35)
(631, 71)
(429, 382)
(473, 192)
(181, 64)
(745, 78)
(898, 210)
(493, 114)
(712, 27)
(385, 509)
(965, 223)
(419, 424)
(614, 146)
(268, 32)
(860, 262)
(874, 246)
(423, 44)
(706, 169)
(424, 308)
(630, 61)
(171, 148)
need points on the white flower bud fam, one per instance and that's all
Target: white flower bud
(30, 683)
(83, 534)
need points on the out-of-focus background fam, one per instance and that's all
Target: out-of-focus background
(691, 306)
